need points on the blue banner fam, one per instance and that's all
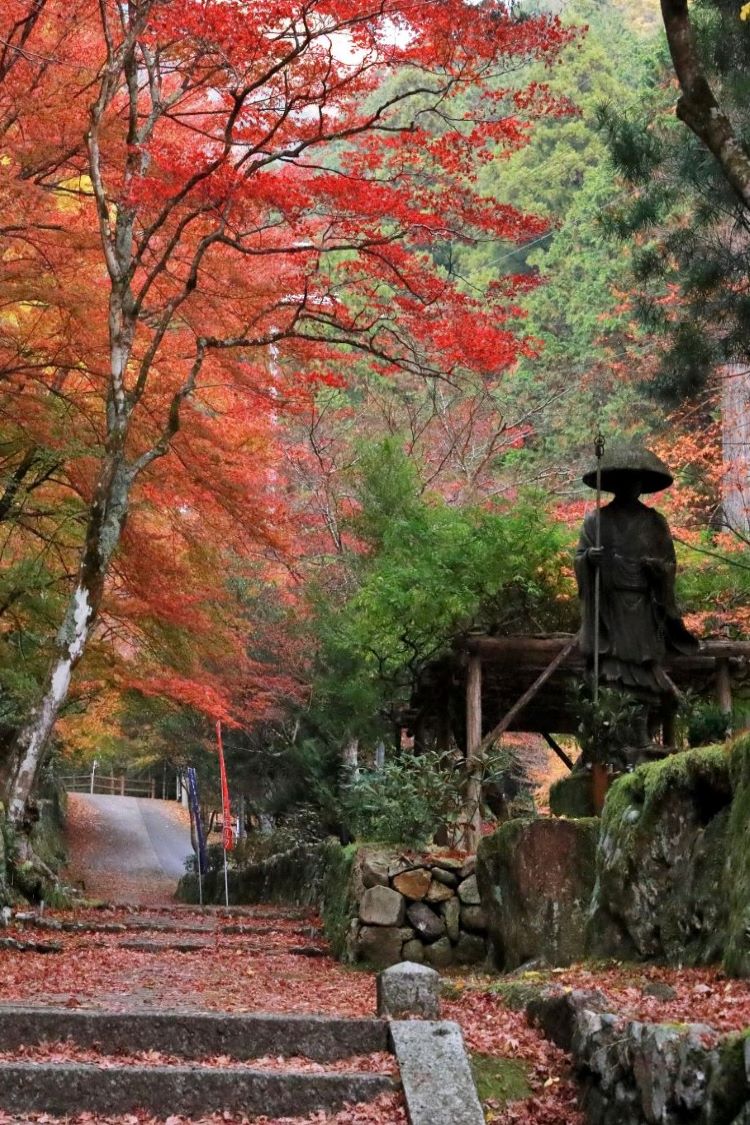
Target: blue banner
(195, 809)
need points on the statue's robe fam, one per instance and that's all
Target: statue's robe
(638, 617)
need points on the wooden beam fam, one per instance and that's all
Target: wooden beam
(554, 745)
(527, 696)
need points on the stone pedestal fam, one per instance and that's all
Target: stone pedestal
(409, 989)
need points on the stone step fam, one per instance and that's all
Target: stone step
(145, 945)
(195, 1035)
(140, 926)
(37, 1087)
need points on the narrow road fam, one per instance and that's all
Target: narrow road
(126, 849)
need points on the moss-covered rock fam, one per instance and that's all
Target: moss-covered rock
(729, 1087)
(536, 879)
(572, 796)
(661, 887)
(737, 950)
(338, 894)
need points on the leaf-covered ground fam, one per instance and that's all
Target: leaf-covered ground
(271, 959)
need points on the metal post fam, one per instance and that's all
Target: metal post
(226, 880)
(93, 774)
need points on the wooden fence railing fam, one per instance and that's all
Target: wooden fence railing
(121, 786)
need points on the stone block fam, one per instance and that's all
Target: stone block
(439, 954)
(438, 1084)
(375, 871)
(537, 880)
(438, 892)
(409, 989)
(381, 906)
(414, 884)
(451, 911)
(413, 951)
(425, 921)
(474, 918)
(470, 949)
(448, 862)
(468, 867)
(468, 891)
(572, 796)
(382, 945)
(449, 878)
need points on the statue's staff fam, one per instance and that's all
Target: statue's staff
(599, 451)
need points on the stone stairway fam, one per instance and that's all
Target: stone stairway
(210, 1069)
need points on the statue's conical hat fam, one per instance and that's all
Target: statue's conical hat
(621, 461)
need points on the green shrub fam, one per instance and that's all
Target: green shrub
(406, 801)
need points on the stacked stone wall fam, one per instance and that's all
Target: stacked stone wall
(423, 908)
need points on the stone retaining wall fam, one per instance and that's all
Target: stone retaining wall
(378, 905)
(423, 908)
(634, 1072)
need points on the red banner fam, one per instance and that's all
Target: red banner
(226, 811)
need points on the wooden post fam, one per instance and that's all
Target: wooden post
(122, 785)
(724, 686)
(153, 788)
(473, 797)
(669, 729)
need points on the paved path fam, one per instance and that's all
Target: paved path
(126, 849)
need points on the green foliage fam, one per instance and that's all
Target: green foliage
(706, 724)
(433, 571)
(692, 260)
(406, 801)
(577, 315)
(606, 726)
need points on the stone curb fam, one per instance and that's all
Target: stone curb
(196, 1034)
(437, 1080)
(54, 1088)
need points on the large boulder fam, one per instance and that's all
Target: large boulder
(661, 889)
(381, 906)
(737, 949)
(536, 879)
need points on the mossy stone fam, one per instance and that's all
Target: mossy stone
(536, 879)
(661, 880)
(572, 796)
(729, 1087)
(737, 951)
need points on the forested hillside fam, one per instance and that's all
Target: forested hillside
(277, 426)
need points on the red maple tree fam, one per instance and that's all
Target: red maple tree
(210, 203)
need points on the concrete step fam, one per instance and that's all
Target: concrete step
(195, 1035)
(58, 1088)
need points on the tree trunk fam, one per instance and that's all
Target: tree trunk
(697, 106)
(735, 437)
(351, 759)
(106, 519)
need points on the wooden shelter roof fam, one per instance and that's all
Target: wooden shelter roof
(510, 666)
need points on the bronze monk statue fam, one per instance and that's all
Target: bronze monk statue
(638, 617)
